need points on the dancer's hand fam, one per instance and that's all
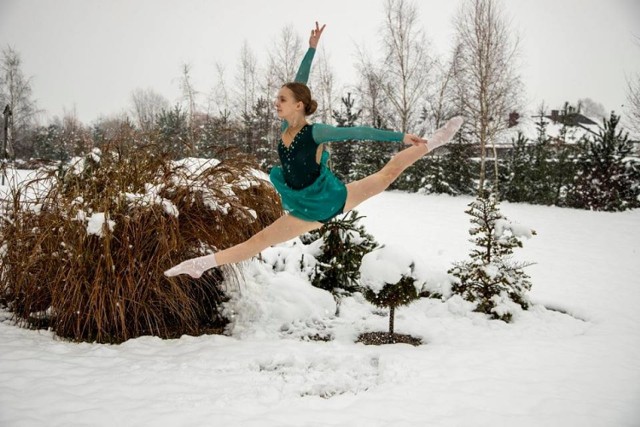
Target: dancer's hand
(410, 139)
(315, 35)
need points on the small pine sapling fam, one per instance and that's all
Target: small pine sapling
(344, 244)
(491, 279)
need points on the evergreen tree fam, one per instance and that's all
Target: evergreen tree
(435, 180)
(370, 157)
(606, 178)
(519, 181)
(344, 244)
(46, 143)
(173, 129)
(343, 156)
(255, 128)
(458, 168)
(542, 170)
(216, 135)
(562, 173)
(490, 278)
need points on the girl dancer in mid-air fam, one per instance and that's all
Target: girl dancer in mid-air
(310, 192)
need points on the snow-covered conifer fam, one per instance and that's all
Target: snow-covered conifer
(344, 244)
(491, 279)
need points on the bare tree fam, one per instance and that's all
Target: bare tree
(16, 92)
(441, 105)
(219, 99)
(146, 105)
(323, 86)
(75, 138)
(246, 80)
(285, 57)
(283, 64)
(488, 86)
(370, 90)
(633, 96)
(189, 95)
(407, 66)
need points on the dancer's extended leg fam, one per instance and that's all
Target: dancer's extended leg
(361, 190)
(284, 228)
(288, 227)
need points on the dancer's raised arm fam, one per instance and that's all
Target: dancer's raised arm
(305, 66)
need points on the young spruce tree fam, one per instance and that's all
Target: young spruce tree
(345, 242)
(491, 279)
(518, 181)
(344, 153)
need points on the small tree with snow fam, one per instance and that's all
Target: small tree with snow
(389, 280)
(344, 244)
(491, 279)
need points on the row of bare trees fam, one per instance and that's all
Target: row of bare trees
(402, 86)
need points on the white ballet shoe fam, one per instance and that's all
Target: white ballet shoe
(194, 267)
(445, 133)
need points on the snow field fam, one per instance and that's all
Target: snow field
(546, 368)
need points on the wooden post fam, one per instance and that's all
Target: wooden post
(7, 114)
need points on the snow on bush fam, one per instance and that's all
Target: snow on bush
(389, 279)
(90, 242)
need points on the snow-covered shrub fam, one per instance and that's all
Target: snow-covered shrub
(491, 279)
(87, 250)
(344, 243)
(388, 279)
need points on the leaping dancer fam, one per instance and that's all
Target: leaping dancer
(310, 192)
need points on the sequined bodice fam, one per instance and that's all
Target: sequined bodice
(299, 165)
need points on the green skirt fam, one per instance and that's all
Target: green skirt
(321, 201)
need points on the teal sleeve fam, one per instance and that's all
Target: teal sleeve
(302, 76)
(305, 66)
(325, 133)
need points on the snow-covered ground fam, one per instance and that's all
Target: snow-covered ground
(574, 363)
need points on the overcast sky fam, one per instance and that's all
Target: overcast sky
(89, 55)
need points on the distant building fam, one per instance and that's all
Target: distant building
(561, 128)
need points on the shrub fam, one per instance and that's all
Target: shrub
(608, 176)
(84, 250)
(389, 280)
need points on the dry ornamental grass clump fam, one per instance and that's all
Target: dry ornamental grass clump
(84, 251)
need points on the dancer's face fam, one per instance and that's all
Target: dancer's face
(286, 104)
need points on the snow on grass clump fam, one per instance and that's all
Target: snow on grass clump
(97, 222)
(121, 217)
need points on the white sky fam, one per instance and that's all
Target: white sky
(89, 55)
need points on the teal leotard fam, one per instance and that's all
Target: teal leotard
(310, 191)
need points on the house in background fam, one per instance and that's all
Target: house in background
(563, 127)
